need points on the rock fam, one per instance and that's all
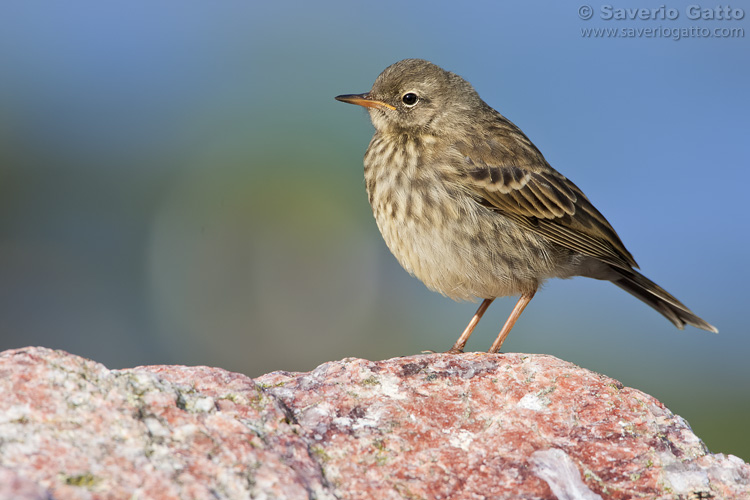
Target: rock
(432, 426)
(15, 487)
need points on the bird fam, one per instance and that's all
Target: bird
(469, 205)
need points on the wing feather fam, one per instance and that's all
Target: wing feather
(517, 181)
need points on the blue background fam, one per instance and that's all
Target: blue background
(177, 185)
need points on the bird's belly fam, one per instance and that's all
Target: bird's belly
(463, 251)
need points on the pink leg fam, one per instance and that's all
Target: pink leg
(458, 347)
(523, 301)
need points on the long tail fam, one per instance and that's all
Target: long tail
(652, 294)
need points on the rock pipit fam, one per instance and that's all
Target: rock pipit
(469, 205)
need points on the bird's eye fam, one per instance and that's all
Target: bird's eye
(410, 98)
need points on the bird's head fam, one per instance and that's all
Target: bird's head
(415, 95)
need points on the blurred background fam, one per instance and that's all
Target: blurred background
(178, 186)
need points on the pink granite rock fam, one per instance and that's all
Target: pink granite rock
(433, 426)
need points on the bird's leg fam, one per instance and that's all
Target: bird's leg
(523, 301)
(458, 347)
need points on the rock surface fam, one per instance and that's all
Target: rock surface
(432, 426)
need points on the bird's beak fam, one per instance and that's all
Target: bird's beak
(364, 100)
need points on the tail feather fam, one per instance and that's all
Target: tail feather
(652, 294)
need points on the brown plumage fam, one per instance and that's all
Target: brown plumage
(470, 206)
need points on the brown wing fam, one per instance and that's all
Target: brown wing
(509, 174)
